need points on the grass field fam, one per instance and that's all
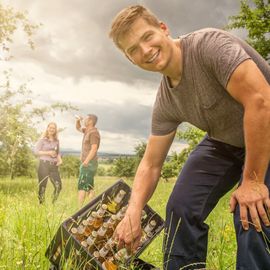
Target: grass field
(26, 228)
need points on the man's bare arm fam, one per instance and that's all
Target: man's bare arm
(91, 154)
(145, 182)
(249, 87)
(78, 125)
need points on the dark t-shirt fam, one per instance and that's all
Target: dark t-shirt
(209, 58)
(90, 137)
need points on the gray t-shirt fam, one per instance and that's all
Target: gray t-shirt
(209, 58)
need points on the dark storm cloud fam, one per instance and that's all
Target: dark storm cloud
(78, 44)
(128, 118)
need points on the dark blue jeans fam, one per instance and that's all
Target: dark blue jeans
(211, 170)
(48, 170)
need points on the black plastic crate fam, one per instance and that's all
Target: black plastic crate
(64, 246)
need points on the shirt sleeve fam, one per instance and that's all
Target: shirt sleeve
(222, 54)
(162, 123)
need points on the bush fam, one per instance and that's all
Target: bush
(70, 166)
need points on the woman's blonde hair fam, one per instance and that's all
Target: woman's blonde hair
(126, 17)
(46, 135)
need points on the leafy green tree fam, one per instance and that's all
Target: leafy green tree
(124, 167)
(18, 119)
(101, 171)
(70, 166)
(255, 18)
(10, 21)
(173, 166)
(192, 136)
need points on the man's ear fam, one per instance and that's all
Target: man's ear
(164, 28)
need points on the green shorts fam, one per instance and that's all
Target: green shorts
(86, 176)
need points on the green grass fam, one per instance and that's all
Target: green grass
(26, 228)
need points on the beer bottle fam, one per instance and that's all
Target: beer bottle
(111, 245)
(103, 253)
(143, 216)
(84, 244)
(96, 255)
(89, 223)
(145, 238)
(110, 264)
(57, 253)
(111, 225)
(102, 209)
(101, 235)
(114, 261)
(120, 214)
(98, 221)
(78, 232)
(91, 241)
(150, 226)
(114, 204)
(122, 255)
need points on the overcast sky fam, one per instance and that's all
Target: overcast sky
(75, 61)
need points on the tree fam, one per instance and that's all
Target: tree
(192, 136)
(70, 166)
(18, 116)
(124, 167)
(10, 21)
(256, 20)
(176, 162)
(18, 119)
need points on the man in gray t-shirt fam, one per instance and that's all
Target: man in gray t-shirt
(220, 84)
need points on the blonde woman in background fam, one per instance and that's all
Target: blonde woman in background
(47, 149)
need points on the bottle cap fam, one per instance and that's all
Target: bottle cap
(74, 230)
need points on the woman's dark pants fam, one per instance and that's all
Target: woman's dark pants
(48, 170)
(211, 170)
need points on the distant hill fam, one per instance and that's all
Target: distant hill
(71, 152)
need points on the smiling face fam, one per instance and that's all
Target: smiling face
(51, 130)
(148, 46)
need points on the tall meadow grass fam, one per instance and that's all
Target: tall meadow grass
(26, 227)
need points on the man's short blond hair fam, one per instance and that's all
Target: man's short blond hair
(126, 17)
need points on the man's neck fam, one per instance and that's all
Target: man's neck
(89, 127)
(174, 73)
